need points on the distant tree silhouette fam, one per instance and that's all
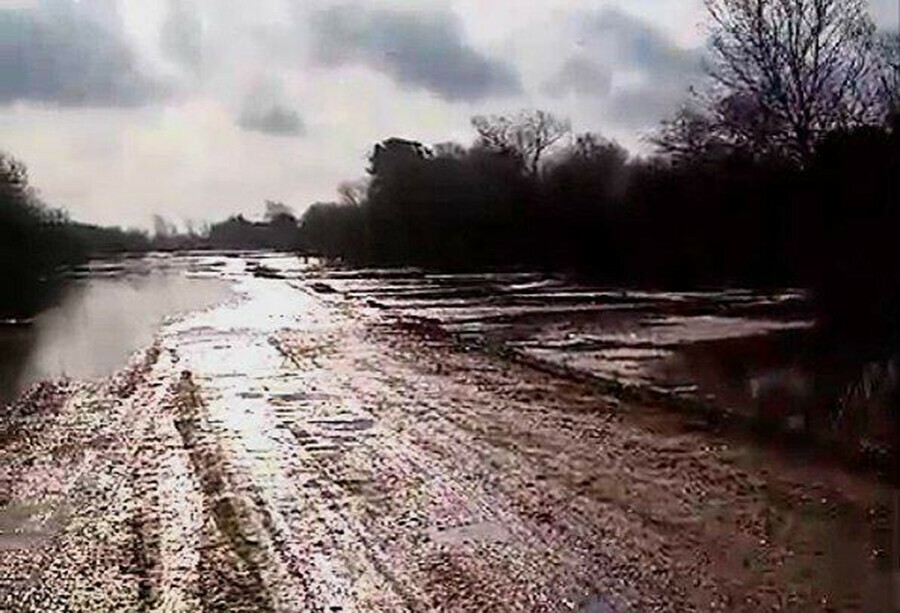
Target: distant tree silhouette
(450, 207)
(163, 228)
(278, 230)
(34, 241)
(275, 210)
(333, 230)
(283, 232)
(98, 240)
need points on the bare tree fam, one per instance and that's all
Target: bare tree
(527, 135)
(688, 134)
(786, 72)
(889, 69)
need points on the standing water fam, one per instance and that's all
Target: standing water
(107, 310)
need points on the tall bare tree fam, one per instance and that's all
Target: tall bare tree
(786, 72)
(527, 135)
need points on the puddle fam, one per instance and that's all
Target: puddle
(481, 532)
(597, 604)
(25, 526)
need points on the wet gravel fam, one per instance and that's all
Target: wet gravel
(296, 450)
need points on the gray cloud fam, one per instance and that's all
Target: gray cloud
(57, 54)
(644, 107)
(634, 43)
(886, 14)
(666, 70)
(275, 120)
(264, 109)
(581, 76)
(657, 72)
(181, 36)
(415, 48)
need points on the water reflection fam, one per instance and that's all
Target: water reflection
(109, 310)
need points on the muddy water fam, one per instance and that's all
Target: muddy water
(106, 311)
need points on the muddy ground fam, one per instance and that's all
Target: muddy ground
(294, 449)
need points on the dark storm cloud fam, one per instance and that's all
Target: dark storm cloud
(415, 48)
(59, 55)
(275, 120)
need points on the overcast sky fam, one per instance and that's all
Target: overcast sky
(197, 109)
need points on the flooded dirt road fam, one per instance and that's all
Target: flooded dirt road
(291, 449)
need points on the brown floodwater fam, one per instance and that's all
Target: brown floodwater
(106, 311)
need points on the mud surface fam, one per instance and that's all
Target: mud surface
(746, 356)
(297, 449)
